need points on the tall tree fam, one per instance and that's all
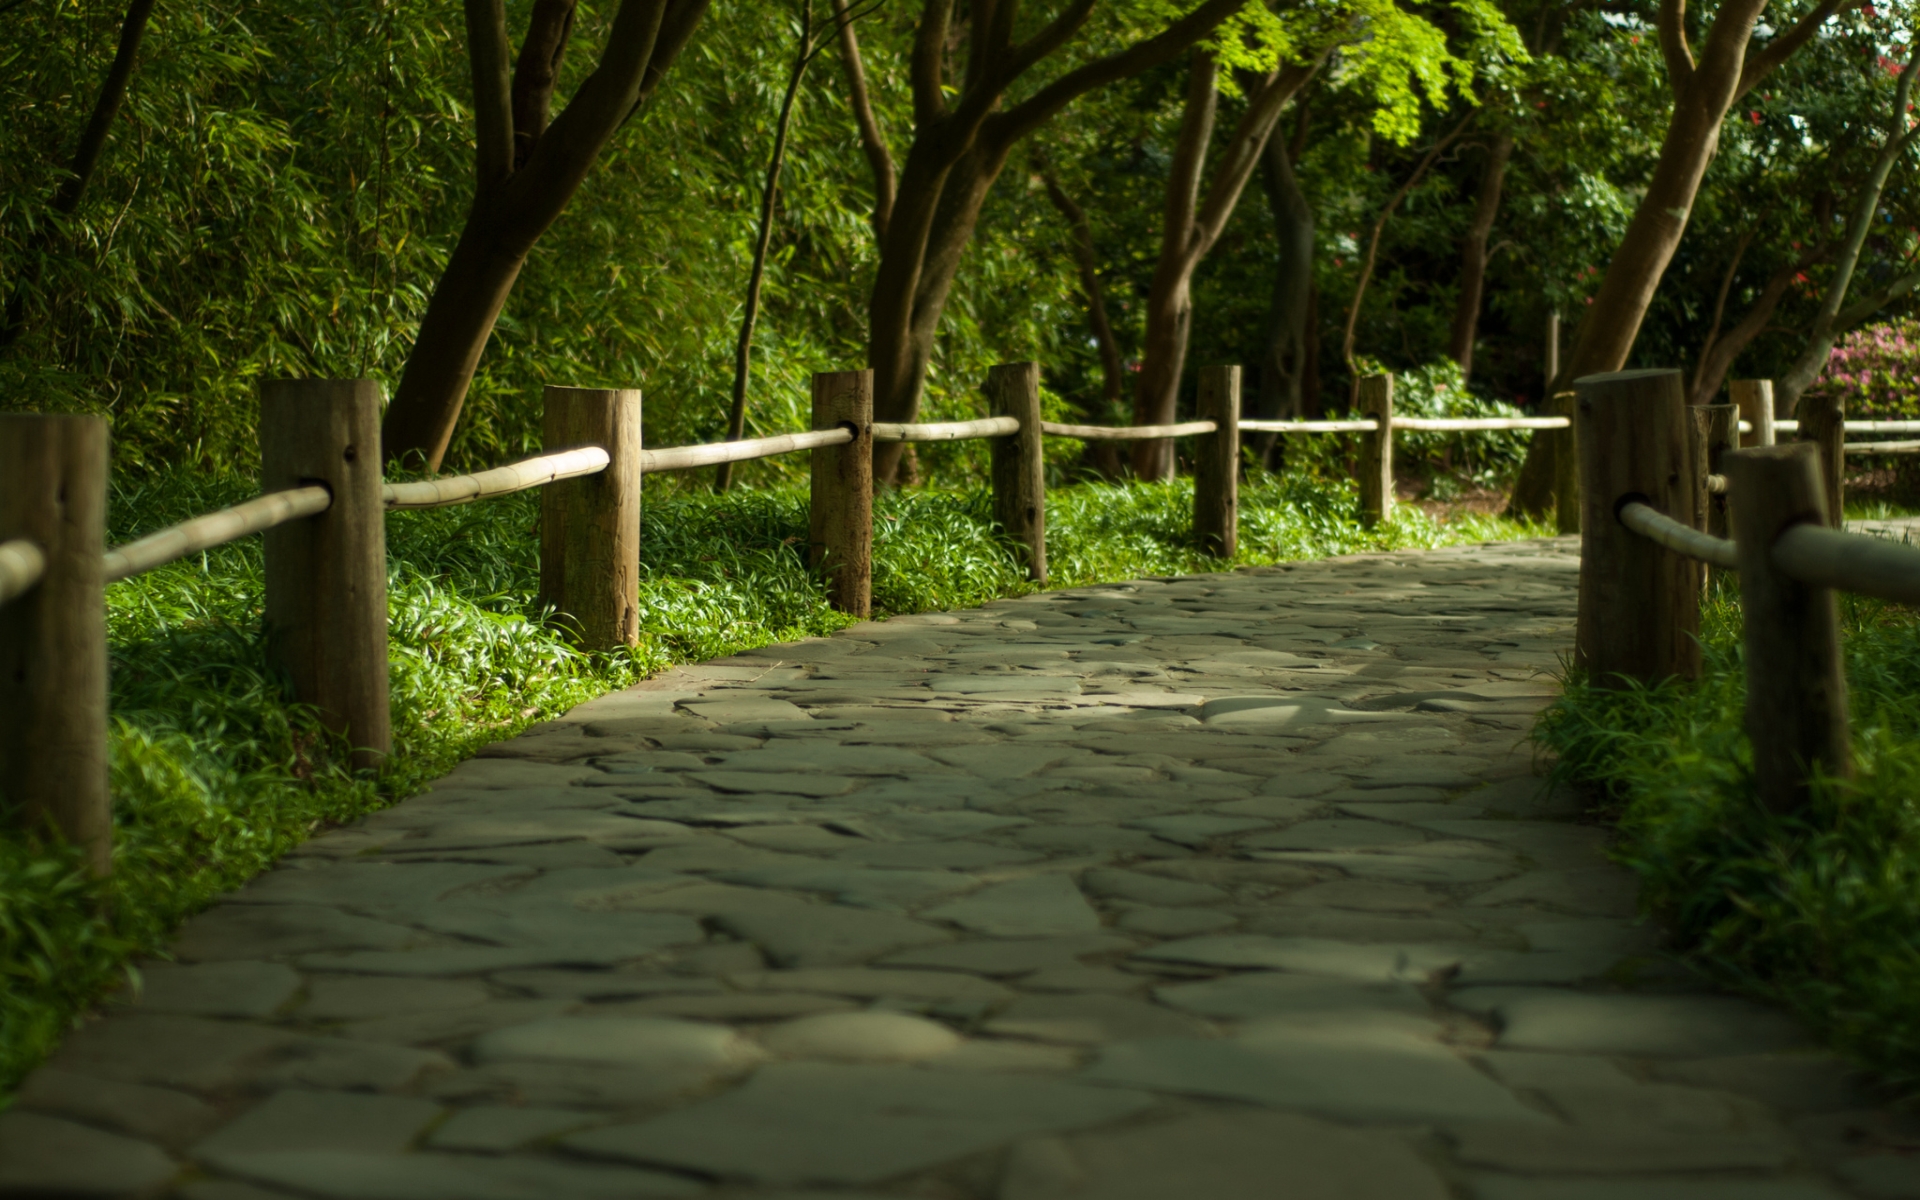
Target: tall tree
(1287, 351)
(1473, 253)
(1704, 88)
(527, 168)
(1191, 224)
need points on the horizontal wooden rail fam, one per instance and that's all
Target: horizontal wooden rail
(946, 431)
(1658, 527)
(1717, 485)
(1871, 566)
(1357, 425)
(21, 566)
(1880, 447)
(500, 481)
(1127, 433)
(680, 458)
(214, 529)
(1464, 424)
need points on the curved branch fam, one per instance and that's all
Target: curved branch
(1781, 48)
(1673, 45)
(872, 140)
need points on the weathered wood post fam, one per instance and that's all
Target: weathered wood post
(840, 517)
(1216, 465)
(1823, 423)
(1639, 603)
(1376, 450)
(1018, 467)
(1566, 464)
(1796, 680)
(53, 639)
(1715, 429)
(590, 525)
(1754, 399)
(326, 609)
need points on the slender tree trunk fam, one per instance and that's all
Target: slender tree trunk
(1703, 92)
(1087, 263)
(743, 348)
(1190, 226)
(872, 140)
(80, 169)
(1288, 349)
(1723, 349)
(1473, 254)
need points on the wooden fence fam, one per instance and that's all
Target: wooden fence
(1662, 484)
(322, 513)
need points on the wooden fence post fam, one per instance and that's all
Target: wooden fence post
(590, 526)
(1796, 682)
(53, 639)
(1639, 603)
(1216, 467)
(326, 604)
(840, 516)
(1566, 465)
(1376, 450)
(1754, 399)
(1715, 429)
(1018, 466)
(1823, 423)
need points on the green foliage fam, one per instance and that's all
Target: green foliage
(216, 774)
(1815, 909)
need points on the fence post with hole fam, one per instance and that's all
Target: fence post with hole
(590, 526)
(53, 638)
(1639, 602)
(1376, 450)
(1566, 464)
(1216, 465)
(1754, 399)
(840, 515)
(1824, 424)
(1018, 467)
(326, 604)
(1715, 429)
(1796, 681)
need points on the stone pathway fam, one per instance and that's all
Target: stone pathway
(1231, 886)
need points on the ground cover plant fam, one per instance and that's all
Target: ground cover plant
(1814, 910)
(215, 774)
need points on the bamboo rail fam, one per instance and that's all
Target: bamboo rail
(1353, 426)
(946, 431)
(21, 566)
(500, 481)
(214, 529)
(1658, 527)
(1127, 433)
(681, 458)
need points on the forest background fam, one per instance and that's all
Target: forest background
(283, 185)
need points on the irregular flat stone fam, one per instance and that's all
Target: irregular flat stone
(1196, 829)
(46, 1156)
(226, 989)
(349, 1065)
(1090, 1019)
(1796, 1082)
(351, 997)
(1039, 906)
(1221, 1156)
(1149, 889)
(1684, 1026)
(1002, 761)
(496, 1129)
(861, 1037)
(1682, 1188)
(648, 1044)
(1396, 868)
(868, 983)
(1537, 1149)
(250, 931)
(825, 935)
(1002, 959)
(1301, 782)
(861, 887)
(1369, 896)
(952, 855)
(1311, 956)
(752, 782)
(1175, 922)
(1600, 892)
(745, 710)
(1376, 1070)
(298, 1119)
(1260, 994)
(344, 1175)
(155, 1114)
(808, 1123)
(183, 1052)
(728, 1006)
(1335, 833)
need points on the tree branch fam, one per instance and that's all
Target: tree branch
(925, 67)
(487, 52)
(1672, 23)
(872, 139)
(86, 156)
(1777, 51)
(1244, 148)
(537, 71)
(1861, 309)
(1049, 39)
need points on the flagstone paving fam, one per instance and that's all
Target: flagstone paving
(1224, 886)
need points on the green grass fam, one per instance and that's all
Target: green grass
(216, 774)
(1817, 910)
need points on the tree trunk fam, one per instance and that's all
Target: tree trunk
(1703, 93)
(1473, 255)
(872, 140)
(86, 157)
(1087, 263)
(1287, 351)
(525, 178)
